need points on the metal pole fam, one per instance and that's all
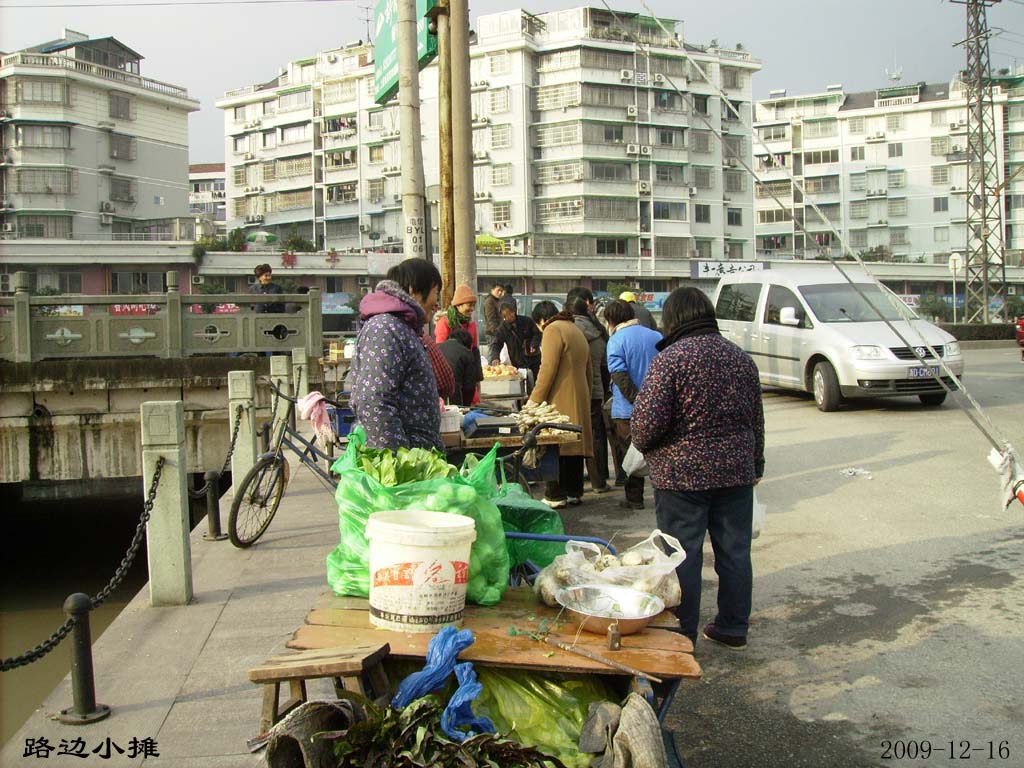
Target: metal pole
(446, 226)
(83, 686)
(413, 197)
(213, 532)
(462, 146)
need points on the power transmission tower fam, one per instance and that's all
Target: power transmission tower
(986, 275)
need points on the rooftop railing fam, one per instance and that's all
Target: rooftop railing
(52, 60)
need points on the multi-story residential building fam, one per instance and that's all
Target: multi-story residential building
(595, 150)
(887, 168)
(206, 199)
(91, 153)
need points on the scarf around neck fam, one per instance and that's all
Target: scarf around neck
(699, 327)
(456, 319)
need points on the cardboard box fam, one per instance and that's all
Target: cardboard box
(452, 439)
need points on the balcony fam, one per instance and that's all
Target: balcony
(54, 61)
(956, 156)
(878, 223)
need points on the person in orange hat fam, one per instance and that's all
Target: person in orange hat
(460, 315)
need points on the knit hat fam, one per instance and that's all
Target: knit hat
(463, 295)
(627, 296)
(262, 269)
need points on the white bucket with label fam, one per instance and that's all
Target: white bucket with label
(419, 566)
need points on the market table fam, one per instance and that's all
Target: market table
(339, 622)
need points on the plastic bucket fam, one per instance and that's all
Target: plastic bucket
(419, 566)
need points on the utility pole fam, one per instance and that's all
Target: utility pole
(413, 191)
(986, 275)
(441, 25)
(462, 146)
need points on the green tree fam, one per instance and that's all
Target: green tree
(236, 240)
(932, 305)
(1014, 307)
(616, 289)
(878, 253)
(297, 243)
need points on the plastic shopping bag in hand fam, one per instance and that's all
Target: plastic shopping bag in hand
(633, 463)
(760, 511)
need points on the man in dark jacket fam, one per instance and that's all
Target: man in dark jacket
(465, 362)
(264, 286)
(492, 317)
(520, 334)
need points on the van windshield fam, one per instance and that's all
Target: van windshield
(842, 303)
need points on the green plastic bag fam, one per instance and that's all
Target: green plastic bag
(541, 710)
(359, 495)
(522, 513)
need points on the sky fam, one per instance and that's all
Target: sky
(804, 45)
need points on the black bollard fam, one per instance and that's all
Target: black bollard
(213, 531)
(83, 687)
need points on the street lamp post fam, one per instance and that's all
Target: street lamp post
(955, 262)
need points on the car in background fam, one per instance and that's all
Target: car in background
(811, 330)
(1020, 336)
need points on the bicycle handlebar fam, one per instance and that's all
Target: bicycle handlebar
(291, 399)
(530, 438)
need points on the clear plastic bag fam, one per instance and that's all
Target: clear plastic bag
(646, 567)
(760, 512)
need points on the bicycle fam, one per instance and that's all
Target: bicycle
(260, 491)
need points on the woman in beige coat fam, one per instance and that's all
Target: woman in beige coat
(564, 381)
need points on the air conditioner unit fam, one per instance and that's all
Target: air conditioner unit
(106, 207)
(731, 162)
(480, 155)
(645, 150)
(632, 149)
(485, 120)
(631, 111)
(106, 219)
(397, 198)
(198, 279)
(364, 227)
(249, 155)
(331, 58)
(8, 227)
(625, 74)
(659, 78)
(880, 135)
(643, 187)
(258, 218)
(363, 280)
(502, 225)
(1011, 290)
(693, 191)
(953, 126)
(958, 148)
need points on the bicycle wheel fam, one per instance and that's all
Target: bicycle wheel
(256, 503)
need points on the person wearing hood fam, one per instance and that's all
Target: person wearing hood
(581, 302)
(394, 390)
(459, 315)
(640, 312)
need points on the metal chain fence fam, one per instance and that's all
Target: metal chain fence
(126, 563)
(200, 493)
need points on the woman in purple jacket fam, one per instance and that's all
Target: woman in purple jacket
(699, 422)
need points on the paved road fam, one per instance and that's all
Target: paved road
(886, 607)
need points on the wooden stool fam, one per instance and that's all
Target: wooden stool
(354, 668)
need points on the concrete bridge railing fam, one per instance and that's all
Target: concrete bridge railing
(169, 325)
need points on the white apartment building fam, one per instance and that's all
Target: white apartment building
(593, 154)
(206, 199)
(887, 168)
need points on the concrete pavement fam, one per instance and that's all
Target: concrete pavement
(885, 609)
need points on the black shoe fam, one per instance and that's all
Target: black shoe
(601, 489)
(736, 642)
(619, 482)
(626, 504)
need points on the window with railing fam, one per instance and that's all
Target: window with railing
(735, 182)
(62, 282)
(770, 188)
(670, 137)
(858, 182)
(773, 132)
(121, 106)
(821, 184)
(855, 125)
(294, 166)
(897, 207)
(940, 174)
(733, 146)
(239, 175)
(556, 173)
(500, 100)
(938, 118)
(292, 134)
(49, 227)
(607, 96)
(137, 282)
(122, 190)
(122, 147)
(732, 78)
(600, 171)
(940, 146)
(501, 212)
(559, 246)
(44, 136)
(611, 246)
(894, 122)
(617, 209)
(375, 120)
(597, 58)
(1015, 142)
(703, 178)
(375, 190)
(339, 90)
(896, 179)
(859, 209)
(343, 228)
(42, 91)
(47, 181)
(819, 129)
(858, 238)
(670, 174)
(557, 135)
(499, 63)
(664, 210)
(700, 104)
(821, 157)
(700, 141)
(549, 62)
(673, 247)
(300, 198)
(346, 125)
(343, 193)
(857, 154)
(501, 136)
(702, 248)
(899, 236)
(555, 210)
(239, 207)
(501, 175)
(940, 234)
(287, 102)
(774, 216)
(669, 65)
(557, 96)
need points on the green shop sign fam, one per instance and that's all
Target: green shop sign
(385, 45)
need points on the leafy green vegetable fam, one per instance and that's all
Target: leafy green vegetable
(409, 465)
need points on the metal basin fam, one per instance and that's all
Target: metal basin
(596, 607)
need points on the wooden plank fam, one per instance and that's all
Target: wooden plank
(516, 441)
(320, 662)
(503, 650)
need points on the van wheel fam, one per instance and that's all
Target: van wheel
(826, 388)
(935, 398)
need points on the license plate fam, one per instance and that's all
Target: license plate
(923, 372)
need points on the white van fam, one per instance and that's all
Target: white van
(810, 330)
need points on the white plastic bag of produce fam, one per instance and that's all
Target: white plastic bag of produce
(760, 511)
(633, 463)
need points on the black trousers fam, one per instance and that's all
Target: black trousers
(570, 479)
(597, 467)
